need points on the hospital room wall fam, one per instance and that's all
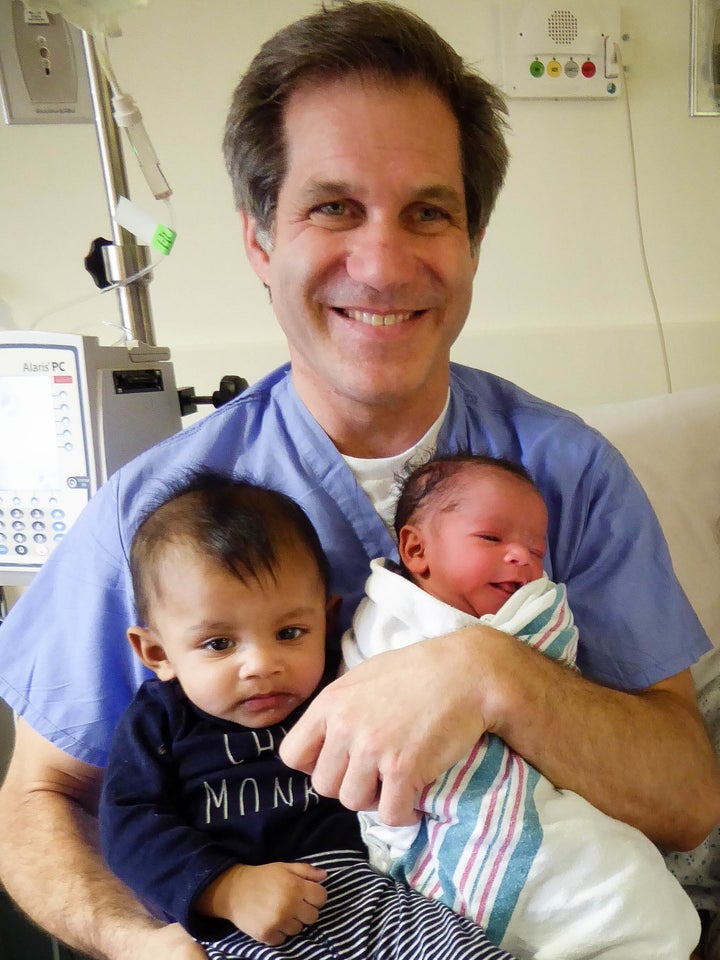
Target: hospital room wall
(562, 303)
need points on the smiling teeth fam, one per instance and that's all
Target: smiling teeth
(378, 319)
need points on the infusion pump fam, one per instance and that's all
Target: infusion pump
(71, 413)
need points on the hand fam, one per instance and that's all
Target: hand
(387, 728)
(270, 902)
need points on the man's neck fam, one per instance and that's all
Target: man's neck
(378, 430)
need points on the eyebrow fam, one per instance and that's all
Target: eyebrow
(304, 611)
(315, 191)
(208, 626)
(220, 626)
(448, 196)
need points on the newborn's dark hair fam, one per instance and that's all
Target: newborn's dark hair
(436, 476)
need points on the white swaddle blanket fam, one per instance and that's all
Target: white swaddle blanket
(547, 875)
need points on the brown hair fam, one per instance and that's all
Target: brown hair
(371, 39)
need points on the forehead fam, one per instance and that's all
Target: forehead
(181, 562)
(486, 489)
(346, 126)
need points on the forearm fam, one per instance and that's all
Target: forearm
(643, 758)
(50, 863)
(380, 733)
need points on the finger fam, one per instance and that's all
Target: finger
(302, 745)
(307, 870)
(274, 939)
(308, 913)
(291, 927)
(329, 774)
(315, 895)
(360, 787)
(398, 800)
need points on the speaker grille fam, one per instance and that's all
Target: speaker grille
(562, 26)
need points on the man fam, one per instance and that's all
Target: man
(366, 160)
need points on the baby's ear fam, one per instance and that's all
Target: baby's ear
(411, 546)
(332, 611)
(151, 652)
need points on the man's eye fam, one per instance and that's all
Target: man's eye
(336, 215)
(335, 208)
(218, 644)
(431, 214)
(290, 633)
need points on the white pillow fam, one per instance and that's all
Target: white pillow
(672, 443)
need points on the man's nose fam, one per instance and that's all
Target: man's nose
(381, 255)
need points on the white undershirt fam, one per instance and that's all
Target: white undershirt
(379, 477)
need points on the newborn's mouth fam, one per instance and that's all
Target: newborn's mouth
(508, 587)
(372, 319)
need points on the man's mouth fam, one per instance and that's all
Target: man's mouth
(378, 319)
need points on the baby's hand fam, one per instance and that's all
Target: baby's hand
(270, 902)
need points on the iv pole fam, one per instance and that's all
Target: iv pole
(126, 257)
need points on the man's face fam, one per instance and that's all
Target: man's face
(371, 265)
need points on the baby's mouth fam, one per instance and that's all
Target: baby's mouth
(265, 701)
(508, 587)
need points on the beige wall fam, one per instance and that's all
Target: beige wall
(561, 300)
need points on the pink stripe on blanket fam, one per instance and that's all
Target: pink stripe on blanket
(436, 825)
(551, 629)
(509, 833)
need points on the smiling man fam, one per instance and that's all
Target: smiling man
(366, 159)
(371, 263)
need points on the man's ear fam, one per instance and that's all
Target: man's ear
(151, 652)
(476, 249)
(411, 546)
(257, 246)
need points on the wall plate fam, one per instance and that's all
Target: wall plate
(43, 76)
(556, 52)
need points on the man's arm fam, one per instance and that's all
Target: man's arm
(51, 865)
(401, 718)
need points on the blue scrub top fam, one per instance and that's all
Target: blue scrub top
(65, 663)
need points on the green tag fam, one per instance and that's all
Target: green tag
(163, 239)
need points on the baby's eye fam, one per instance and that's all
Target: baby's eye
(218, 644)
(491, 538)
(290, 633)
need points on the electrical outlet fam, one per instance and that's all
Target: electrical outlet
(43, 78)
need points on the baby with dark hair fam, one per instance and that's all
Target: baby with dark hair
(545, 873)
(199, 816)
